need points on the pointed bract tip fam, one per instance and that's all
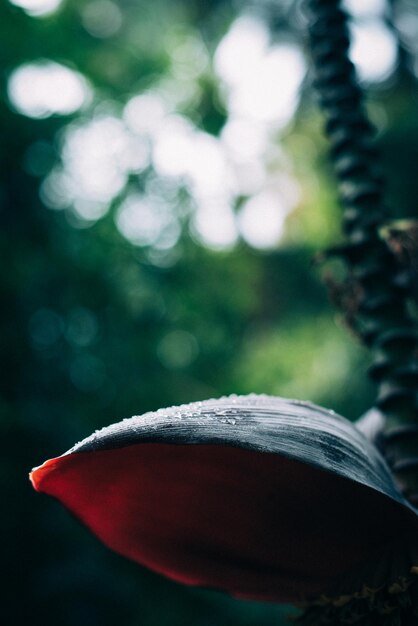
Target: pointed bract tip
(38, 473)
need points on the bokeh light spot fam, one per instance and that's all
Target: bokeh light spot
(97, 159)
(147, 221)
(101, 18)
(144, 113)
(365, 8)
(215, 226)
(81, 329)
(177, 349)
(262, 81)
(241, 50)
(261, 220)
(373, 50)
(37, 8)
(46, 88)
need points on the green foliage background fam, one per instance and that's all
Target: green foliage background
(95, 329)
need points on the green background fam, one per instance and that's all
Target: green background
(95, 328)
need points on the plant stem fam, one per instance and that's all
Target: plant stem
(380, 286)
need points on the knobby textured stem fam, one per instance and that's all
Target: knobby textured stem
(378, 287)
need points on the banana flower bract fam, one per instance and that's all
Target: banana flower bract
(262, 497)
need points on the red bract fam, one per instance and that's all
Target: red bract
(265, 498)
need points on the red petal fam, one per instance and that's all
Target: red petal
(255, 524)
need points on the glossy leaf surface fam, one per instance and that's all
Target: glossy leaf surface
(262, 497)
